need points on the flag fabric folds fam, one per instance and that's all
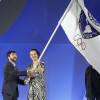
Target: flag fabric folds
(83, 31)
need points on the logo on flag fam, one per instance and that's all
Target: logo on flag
(87, 30)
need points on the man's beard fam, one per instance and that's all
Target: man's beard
(14, 60)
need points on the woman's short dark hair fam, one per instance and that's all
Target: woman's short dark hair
(9, 52)
(38, 53)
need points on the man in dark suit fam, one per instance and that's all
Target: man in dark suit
(11, 78)
(92, 82)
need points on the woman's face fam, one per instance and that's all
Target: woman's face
(33, 55)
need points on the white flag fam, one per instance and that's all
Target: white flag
(83, 32)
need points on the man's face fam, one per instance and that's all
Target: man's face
(13, 57)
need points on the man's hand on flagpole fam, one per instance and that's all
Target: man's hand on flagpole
(27, 79)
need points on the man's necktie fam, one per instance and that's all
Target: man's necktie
(16, 68)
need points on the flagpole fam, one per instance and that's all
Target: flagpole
(49, 41)
(60, 21)
(66, 11)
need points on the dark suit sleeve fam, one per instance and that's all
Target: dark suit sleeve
(20, 81)
(88, 75)
(10, 69)
(86, 78)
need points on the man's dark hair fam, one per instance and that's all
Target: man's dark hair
(9, 52)
(38, 53)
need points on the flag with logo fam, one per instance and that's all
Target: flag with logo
(83, 31)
